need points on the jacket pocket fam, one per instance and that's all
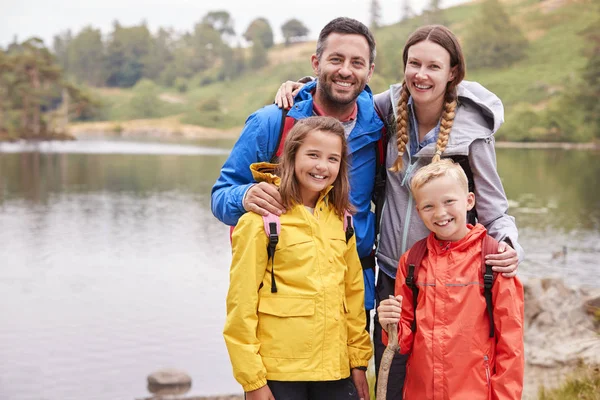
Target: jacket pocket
(286, 326)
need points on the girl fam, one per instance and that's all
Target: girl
(295, 321)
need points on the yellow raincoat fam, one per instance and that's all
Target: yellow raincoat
(312, 328)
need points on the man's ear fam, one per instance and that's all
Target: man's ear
(370, 75)
(314, 60)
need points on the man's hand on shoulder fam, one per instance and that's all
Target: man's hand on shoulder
(263, 198)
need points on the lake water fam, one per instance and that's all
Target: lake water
(112, 265)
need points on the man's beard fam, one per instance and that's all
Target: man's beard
(336, 100)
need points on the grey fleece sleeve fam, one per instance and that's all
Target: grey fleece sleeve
(490, 198)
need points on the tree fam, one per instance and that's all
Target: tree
(127, 54)
(293, 30)
(36, 70)
(86, 59)
(207, 46)
(375, 14)
(233, 63)
(61, 48)
(590, 88)
(260, 30)
(161, 54)
(258, 58)
(492, 40)
(221, 21)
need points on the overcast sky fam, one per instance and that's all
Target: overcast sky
(46, 18)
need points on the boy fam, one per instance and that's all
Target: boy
(451, 353)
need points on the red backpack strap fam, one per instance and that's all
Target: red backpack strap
(272, 226)
(488, 246)
(287, 123)
(348, 225)
(415, 257)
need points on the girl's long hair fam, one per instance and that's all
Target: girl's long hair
(289, 187)
(444, 37)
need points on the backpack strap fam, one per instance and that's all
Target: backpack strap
(488, 246)
(348, 226)
(272, 226)
(415, 257)
(287, 123)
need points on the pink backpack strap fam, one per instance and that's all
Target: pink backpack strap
(271, 218)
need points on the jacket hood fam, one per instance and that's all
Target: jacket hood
(474, 235)
(265, 172)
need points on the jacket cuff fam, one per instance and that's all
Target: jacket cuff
(360, 364)
(254, 385)
(244, 196)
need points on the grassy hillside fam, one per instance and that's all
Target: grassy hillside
(532, 89)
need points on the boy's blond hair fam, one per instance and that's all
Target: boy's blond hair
(444, 167)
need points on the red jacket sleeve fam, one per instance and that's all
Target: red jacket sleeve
(507, 382)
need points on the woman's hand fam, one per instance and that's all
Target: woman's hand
(505, 261)
(285, 95)
(389, 311)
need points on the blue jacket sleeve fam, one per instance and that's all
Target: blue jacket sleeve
(235, 178)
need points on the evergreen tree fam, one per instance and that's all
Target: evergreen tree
(492, 40)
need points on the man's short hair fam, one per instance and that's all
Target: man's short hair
(346, 26)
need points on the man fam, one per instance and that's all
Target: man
(343, 63)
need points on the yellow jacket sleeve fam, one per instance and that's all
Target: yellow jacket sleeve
(359, 344)
(248, 266)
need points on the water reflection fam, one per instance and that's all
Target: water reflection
(113, 265)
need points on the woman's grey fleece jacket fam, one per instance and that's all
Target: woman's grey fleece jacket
(479, 115)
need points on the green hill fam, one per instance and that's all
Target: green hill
(536, 90)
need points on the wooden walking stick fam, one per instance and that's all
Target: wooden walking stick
(386, 361)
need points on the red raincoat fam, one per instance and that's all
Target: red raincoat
(451, 353)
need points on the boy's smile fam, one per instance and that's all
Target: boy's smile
(442, 204)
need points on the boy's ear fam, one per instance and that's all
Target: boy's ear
(470, 201)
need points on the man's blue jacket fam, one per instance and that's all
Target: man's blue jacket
(257, 143)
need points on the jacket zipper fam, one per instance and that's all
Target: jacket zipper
(486, 363)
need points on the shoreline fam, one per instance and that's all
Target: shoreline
(171, 128)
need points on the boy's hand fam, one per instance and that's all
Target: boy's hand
(389, 311)
(285, 94)
(264, 393)
(263, 198)
(506, 261)
(360, 381)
